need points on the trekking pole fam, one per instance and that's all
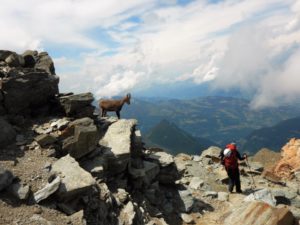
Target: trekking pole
(253, 182)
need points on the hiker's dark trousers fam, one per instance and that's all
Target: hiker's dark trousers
(234, 179)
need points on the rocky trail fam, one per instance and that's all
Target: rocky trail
(61, 164)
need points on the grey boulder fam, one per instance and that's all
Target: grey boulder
(116, 145)
(186, 201)
(74, 179)
(28, 90)
(82, 142)
(264, 195)
(78, 105)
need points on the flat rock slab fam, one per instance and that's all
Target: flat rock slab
(211, 152)
(163, 158)
(196, 183)
(259, 213)
(46, 191)
(45, 139)
(74, 179)
(264, 195)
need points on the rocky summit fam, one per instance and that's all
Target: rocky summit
(62, 164)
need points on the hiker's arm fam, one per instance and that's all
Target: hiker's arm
(240, 157)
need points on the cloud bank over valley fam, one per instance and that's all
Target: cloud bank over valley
(113, 47)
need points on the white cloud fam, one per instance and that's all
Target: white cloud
(60, 21)
(281, 85)
(231, 43)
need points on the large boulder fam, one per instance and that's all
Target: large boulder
(28, 90)
(259, 213)
(7, 134)
(6, 178)
(116, 145)
(74, 179)
(82, 138)
(78, 105)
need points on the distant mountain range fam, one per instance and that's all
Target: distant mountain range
(168, 136)
(273, 137)
(219, 119)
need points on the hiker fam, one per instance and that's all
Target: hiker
(229, 158)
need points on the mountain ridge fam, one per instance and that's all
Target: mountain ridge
(219, 119)
(273, 137)
(175, 140)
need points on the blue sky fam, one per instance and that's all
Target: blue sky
(152, 47)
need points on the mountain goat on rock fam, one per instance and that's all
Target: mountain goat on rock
(112, 105)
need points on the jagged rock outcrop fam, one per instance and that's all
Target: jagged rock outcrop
(26, 87)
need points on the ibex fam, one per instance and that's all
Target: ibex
(111, 105)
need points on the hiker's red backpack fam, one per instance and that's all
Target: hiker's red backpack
(231, 159)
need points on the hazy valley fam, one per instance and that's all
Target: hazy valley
(216, 119)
